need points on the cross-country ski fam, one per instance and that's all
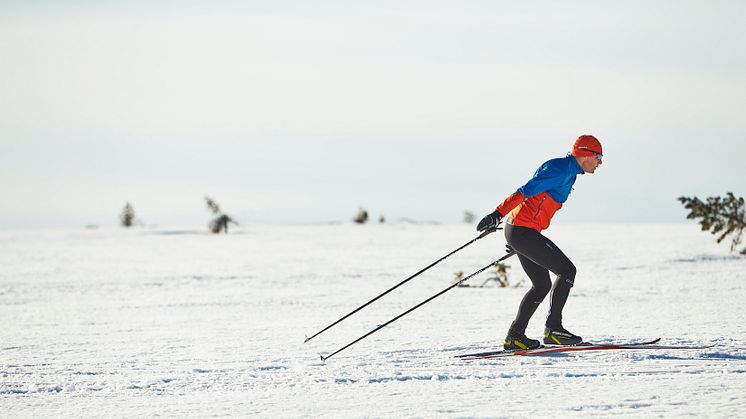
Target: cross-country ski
(581, 347)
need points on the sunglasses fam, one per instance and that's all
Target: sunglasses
(599, 156)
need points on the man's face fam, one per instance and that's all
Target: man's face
(590, 163)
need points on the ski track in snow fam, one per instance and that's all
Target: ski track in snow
(144, 323)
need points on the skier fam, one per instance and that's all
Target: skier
(529, 211)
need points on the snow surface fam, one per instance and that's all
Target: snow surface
(178, 323)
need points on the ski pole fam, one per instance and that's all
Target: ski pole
(486, 232)
(324, 358)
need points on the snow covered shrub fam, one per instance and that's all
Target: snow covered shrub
(500, 278)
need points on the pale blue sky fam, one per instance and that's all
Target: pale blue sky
(301, 111)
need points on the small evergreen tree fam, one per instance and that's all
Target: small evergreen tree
(212, 205)
(127, 216)
(724, 216)
(219, 223)
(361, 217)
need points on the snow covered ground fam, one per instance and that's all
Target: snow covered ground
(178, 323)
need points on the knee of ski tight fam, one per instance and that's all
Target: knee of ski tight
(541, 290)
(568, 274)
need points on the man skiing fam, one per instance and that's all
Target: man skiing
(529, 211)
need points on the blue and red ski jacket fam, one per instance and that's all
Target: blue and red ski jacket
(534, 203)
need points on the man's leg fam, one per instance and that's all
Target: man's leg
(540, 288)
(543, 253)
(560, 292)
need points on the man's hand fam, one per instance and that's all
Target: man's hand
(489, 221)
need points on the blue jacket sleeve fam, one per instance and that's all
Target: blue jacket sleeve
(546, 178)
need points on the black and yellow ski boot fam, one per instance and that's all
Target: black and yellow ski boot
(516, 342)
(560, 336)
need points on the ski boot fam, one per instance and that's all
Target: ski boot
(560, 336)
(519, 342)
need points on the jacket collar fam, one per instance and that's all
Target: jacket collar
(574, 164)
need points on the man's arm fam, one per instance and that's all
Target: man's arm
(546, 178)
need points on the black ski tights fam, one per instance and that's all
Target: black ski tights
(539, 256)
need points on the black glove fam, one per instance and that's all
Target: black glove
(489, 221)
